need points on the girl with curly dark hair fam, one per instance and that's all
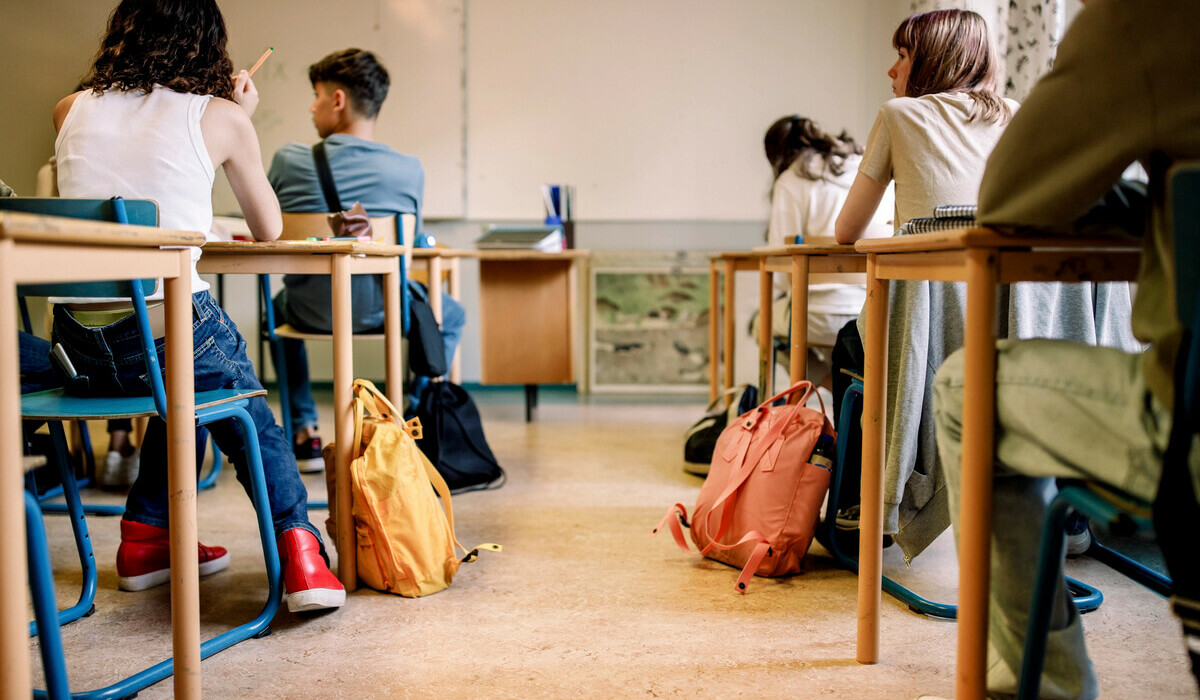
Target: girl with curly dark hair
(159, 112)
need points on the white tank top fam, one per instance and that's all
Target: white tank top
(141, 146)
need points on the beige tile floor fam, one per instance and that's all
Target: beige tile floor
(583, 602)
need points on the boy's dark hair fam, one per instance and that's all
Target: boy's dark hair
(359, 72)
(178, 44)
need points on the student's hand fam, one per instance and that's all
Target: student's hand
(244, 92)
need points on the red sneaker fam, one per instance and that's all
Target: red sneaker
(309, 583)
(144, 557)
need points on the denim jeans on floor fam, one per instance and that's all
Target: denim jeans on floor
(301, 406)
(112, 359)
(1062, 410)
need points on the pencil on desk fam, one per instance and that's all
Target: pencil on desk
(260, 60)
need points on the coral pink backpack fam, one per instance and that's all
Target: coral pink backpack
(759, 506)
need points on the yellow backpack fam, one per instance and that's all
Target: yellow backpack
(404, 536)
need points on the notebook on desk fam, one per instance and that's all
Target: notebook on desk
(546, 239)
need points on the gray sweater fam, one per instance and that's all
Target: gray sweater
(926, 324)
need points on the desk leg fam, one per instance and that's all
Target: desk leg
(874, 422)
(455, 293)
(798, 368)
(975, 507)
(181, 481)
(343, 426)
(15, 681)
(435, 287)
(766, 350)
(730, 320)
(714, 331)
(392, 337)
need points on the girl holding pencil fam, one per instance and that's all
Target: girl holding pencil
(160, 110)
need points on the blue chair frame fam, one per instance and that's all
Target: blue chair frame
(1123, 512)
(1087, 598)
(212, 406)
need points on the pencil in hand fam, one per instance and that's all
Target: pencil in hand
(260, 60)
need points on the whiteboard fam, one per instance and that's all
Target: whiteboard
(656, 109)
(419, 42)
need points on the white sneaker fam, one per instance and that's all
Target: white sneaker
(1079, 543)
(119, 471)
(847, 519)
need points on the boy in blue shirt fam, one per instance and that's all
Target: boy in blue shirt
(349, 87)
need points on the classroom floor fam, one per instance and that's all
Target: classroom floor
(583, 602)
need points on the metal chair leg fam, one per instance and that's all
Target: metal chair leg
(41, 585)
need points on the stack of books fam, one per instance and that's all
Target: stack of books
(546, 239)
(945, 217)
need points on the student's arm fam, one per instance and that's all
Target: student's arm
(855, 218)
(233, 145)
(1084, 122)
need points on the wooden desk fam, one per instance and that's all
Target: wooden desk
(48, 249)
(818, 262)
(723, 320)
(983, 259)
(528, 309)
(339, 260)
(434, 259)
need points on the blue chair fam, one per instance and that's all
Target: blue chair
(1102, 503)
(301, 226)
(211, 406)
(1087, 598)
(139, 213)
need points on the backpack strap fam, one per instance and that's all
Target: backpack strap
(325, 175)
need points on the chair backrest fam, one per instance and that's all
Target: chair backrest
(142, 212)
(301, 226)
(1183, 195)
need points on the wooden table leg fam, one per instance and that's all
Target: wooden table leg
(766, 346)
(978, 447)
(714, 331)
(15, 681)
(393, 337)
(456, 294)
(435, 287)
(730, 321)
(343, 422)
(798, 366)
(874, 422)
(181, 481)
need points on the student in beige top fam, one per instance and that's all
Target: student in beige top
(933, 140)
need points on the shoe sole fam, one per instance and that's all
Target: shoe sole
(696, 469)
(310, 466)
(315, 599)
(141, 582)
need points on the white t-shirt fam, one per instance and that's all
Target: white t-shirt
(932, 150)
(141, 146)
(802, 206)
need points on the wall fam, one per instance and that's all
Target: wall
(654, 111)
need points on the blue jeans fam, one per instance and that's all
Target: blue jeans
(34, 358)
(301, 407)
(111, 357)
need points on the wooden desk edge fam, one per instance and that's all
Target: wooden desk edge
(297, 247)
(37, 228)
(978, 237)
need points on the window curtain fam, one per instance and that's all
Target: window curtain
(1027, 33)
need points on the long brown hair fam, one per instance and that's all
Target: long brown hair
(951, 51)
(798, 138)
(178, 44)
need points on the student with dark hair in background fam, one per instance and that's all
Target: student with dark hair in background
(349, 88)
